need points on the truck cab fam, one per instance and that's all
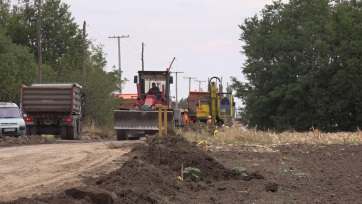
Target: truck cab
(11, 120)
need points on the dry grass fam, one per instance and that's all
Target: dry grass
(93, 132)
(226, 136)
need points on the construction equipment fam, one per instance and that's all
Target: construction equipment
(202, 104)
(53, 109)
(142, 118)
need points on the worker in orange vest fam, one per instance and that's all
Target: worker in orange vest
(209, 121)
(186, 117)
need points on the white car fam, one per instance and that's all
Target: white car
(11, 120)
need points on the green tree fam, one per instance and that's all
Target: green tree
(62, 57)
(291, 70)
(4, 12)
(17, 67)
(99, 87)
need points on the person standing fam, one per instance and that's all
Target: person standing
(209, 121)
(186, 117)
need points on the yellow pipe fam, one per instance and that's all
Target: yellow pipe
(165, 119)
(160, 108)
(160, 122)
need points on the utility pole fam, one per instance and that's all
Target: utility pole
(176, 85)
(199, 84)
(189, 82)
(40, 61)
(143, 66)
(119, 60)
(83, 62)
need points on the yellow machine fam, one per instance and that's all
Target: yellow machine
(203, 104)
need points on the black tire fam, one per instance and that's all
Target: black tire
(63, 132)
(72, 133)
(79, 130)
(28, 132)
(121, 135)
(33, 130)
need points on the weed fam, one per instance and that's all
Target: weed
(240, 170)
(302, 175)
(288, 170)
(288, 200)
(222, 182)
(194, 173)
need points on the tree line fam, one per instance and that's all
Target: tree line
(303, 67)
(61, 49)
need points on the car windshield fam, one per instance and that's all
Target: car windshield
(9, 113)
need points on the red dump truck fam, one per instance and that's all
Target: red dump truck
(53, 109)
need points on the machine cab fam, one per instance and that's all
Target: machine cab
(161, 79)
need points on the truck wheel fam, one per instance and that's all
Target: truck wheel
(79, 129)
(72, 133)
(33, 130)
(63, 133)
(28, 132)
(121, 135)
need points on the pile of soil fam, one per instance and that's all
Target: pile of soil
(7, 141)
(150, 175)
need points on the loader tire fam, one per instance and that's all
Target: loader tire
(121, 135)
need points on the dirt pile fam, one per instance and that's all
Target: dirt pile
(7, 141)
(151, 176)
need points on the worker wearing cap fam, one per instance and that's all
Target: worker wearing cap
(209, 121)
(186, 117)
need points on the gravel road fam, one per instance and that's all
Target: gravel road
(46, 168)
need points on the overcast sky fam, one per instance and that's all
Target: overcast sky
(203, 36)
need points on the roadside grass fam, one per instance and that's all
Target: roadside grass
(235, 136)
(51, 137)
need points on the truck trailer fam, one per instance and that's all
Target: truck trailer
(53, 109)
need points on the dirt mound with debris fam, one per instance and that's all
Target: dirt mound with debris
(152, 174)
(7, 141)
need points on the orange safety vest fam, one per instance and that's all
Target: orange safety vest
(186, 119)
(209, 121)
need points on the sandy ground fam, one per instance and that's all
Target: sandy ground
(46, 168)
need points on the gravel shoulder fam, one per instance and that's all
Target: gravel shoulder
(45, 168)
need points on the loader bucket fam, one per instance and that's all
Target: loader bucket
(140, 120)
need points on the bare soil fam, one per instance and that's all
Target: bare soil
(149, 173)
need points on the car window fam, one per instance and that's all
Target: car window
(9, 113)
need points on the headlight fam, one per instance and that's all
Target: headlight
(153, 107)
(136, 107)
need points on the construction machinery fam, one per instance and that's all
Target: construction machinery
(202, 104)
(142, 119)
(53, 109)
